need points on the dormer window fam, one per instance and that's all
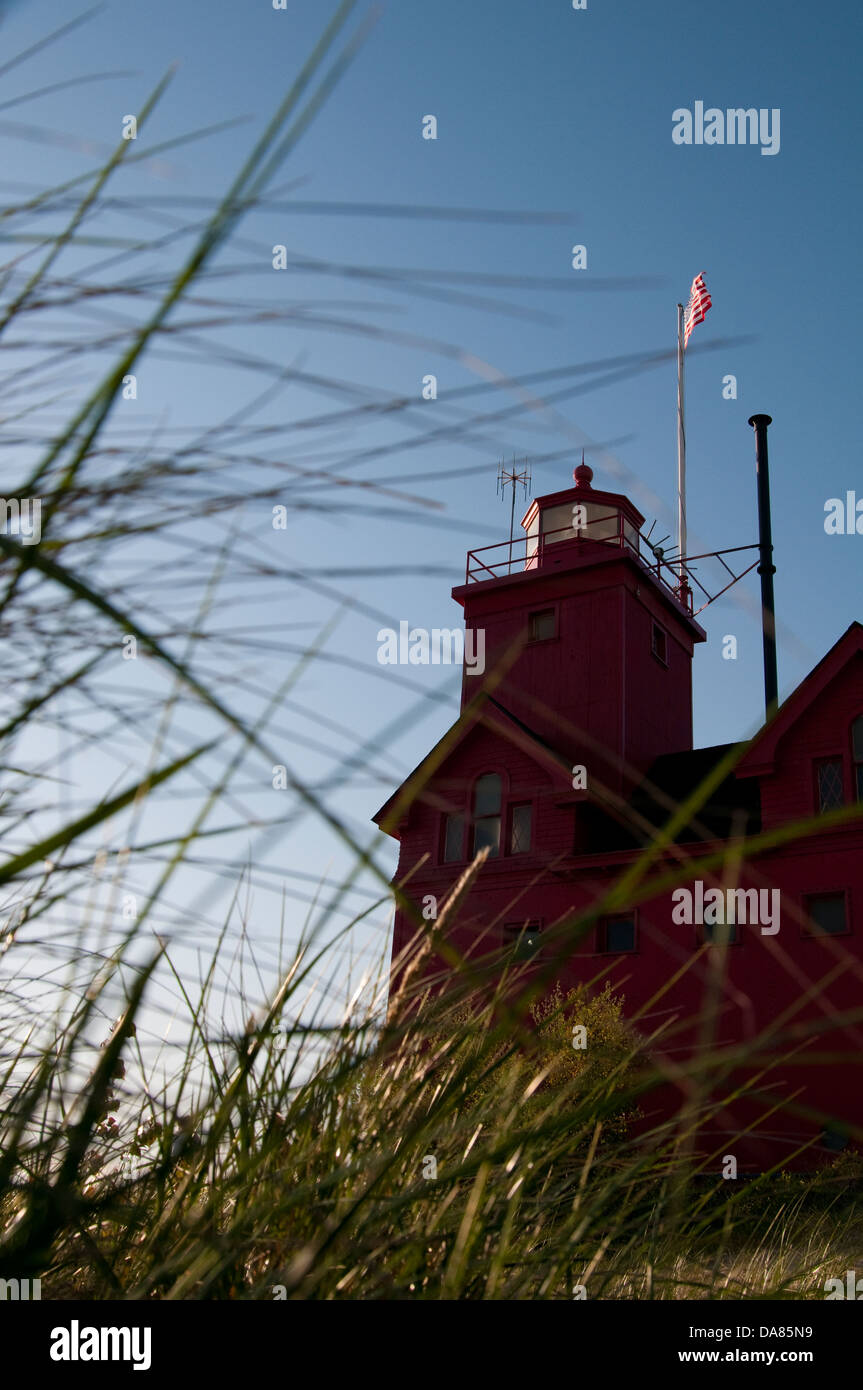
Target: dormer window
(830, 784)
(829, 776)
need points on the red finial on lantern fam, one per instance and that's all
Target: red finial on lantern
(583, 474)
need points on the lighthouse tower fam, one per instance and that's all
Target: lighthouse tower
(588, 635)
(587, 680)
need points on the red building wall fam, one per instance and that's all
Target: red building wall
(598, 674)
(596, 693)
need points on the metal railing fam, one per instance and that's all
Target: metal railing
(528, 552)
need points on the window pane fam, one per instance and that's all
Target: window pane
(620, 934)
(829, 785)
(827, 914)
(453, 840)
(486, 797)
(859, 770)
(660, 645)
(557, 523)
(519, 840)
(721, 933)
(857, 739)
(486, 832)
(525, 937)
(541, 625)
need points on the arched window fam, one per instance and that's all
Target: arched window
(486, 814)
(857, 755)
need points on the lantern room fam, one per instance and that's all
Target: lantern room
(579, 519)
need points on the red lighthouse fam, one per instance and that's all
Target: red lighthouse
(596, 643)
(572, 754)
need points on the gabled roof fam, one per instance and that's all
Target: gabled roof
(760, 757)
(488, 713)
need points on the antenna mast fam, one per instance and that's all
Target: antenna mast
(512, 477)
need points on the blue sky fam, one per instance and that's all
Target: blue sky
(540, 109)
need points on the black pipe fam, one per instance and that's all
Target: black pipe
(766, 567)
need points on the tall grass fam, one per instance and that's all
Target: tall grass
(453, 1152)
(300, 1141)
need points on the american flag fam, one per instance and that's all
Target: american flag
(699, 303)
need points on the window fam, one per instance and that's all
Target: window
(494, 826)
(857, 756)
(486, 814)
(659, 643)
(617, 934)
(541, 625)
(827, 915)
(523, 938)
(720, 933)
(519, 829)
(453, 839)
(829, 775)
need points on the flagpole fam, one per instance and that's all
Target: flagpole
(681, 455)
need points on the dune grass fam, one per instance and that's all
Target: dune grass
(429, 1145)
